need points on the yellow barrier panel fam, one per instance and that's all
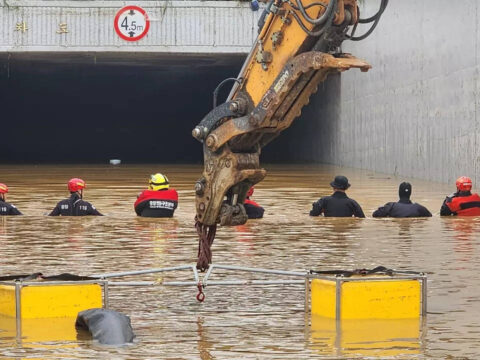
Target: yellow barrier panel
(7, 300)
(49, 300)
(366, 297)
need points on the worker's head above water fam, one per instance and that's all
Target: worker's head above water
(340, 183)
(76, 185)
(464, 184)
(158, 181)
(405, 190)
(3, 191)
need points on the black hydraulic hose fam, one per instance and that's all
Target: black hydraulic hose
(308, 6)
(217, 89)
(318, 32)
(376, 19)
(264, 15)
(304, 28)
(322, 19)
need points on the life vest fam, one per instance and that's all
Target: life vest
(170, 194)
(465, 205)
(251, 202)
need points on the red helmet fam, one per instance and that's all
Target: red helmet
(250, 192)
(3, 188)
(464, 183)
(76, 184)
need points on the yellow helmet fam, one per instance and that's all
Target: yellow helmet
(158, 182)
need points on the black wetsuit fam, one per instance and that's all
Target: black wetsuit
(8, 209)
(253, 210)
(74, 206)
(337, 205)
(402, 209)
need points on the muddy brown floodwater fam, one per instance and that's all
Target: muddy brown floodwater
(240, 322)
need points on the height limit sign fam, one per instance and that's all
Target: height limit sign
(131, 23)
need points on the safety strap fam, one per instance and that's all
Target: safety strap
(378, 270)
(39, 276)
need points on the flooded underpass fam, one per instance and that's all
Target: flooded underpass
(241, 322)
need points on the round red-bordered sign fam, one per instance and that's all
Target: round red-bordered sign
(131, 23)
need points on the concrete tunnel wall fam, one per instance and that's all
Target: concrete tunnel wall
(415, 112)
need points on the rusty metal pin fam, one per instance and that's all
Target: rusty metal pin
(233, 107)
(199, 188)
(197, 133)
(211, 141)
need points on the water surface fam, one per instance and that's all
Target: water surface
(241, 322)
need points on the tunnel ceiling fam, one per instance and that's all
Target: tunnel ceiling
(94, 107)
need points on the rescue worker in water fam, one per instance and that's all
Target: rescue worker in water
(5, 207)
(253, 209)
(338, 204)
(404, 207)
(158, 200)
(75, 205)
(463, 202)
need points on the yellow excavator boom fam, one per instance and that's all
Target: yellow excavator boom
(298, 46)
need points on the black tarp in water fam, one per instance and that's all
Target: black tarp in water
(108, 327)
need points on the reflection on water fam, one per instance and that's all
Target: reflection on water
(241, 322)
(372, 338)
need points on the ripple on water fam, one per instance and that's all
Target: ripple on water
(238, 321)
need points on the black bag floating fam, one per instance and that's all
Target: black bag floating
(106, 326)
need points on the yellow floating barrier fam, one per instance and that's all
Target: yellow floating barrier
(398, 295)
(372, 313)
(49, 299)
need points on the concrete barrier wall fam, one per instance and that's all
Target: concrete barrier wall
(415, 112)
(195, 27)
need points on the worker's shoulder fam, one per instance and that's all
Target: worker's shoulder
(352, 200)
(7, 204)
(63, 201)
(85, 203)
(390, 204)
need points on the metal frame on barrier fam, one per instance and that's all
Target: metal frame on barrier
(21, 284)
(340, 279)
(205, 281)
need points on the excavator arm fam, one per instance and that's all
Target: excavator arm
(298, 46)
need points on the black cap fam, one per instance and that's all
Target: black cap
(405, 190)
(340, 182)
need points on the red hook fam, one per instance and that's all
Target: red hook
(200, 295)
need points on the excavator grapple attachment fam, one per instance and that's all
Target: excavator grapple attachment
(297, 48)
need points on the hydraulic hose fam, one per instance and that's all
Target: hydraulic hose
(322, 19)
(264, 15)
(323, 28)
(375, 18)
(217, 89)
(308, 6)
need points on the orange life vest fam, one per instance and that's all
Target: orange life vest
(465, 205)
